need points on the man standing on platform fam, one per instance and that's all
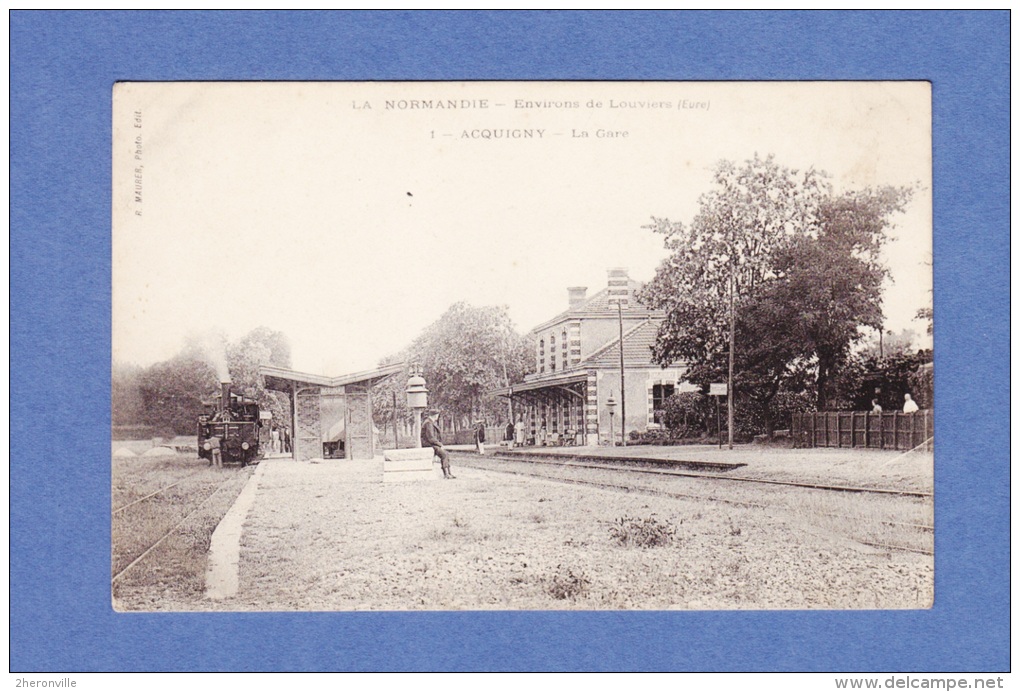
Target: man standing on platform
(431, 437)
(480, 437)
(215, 456)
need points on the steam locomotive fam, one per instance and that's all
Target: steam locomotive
(235, 421)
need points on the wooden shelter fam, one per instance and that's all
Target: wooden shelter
(331, 417)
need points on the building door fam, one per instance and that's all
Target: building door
(359, 423)
(333, 414)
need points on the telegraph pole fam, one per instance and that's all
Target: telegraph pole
(623, 391)
(729, 381)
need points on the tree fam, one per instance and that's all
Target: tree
(261, 346)
(926, 314)
(126, 404)
(730, 247)
(172, 393)
(830, 278)
(891, 343)
(466, 353)
(886, 380)
(384, 394)
(801, 263)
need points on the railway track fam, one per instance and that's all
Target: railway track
(472, 462)
(691, 474)
(154, 494)
(150, 547)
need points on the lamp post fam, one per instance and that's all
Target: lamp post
(417, 400)
(611, 406)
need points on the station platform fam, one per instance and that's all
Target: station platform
(852, 467)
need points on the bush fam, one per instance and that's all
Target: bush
(750, 417)
(688, 414)
(649, 437)
(566, 584)
(892, 377)
(922, 385)
(642, 533)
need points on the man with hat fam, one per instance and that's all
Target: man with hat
(480, 437)
(431, 437)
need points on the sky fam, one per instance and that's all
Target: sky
(350, 216)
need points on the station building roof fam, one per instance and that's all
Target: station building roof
(603, 304)
(637, 348)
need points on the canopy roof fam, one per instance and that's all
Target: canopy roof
(282, 379)
(561, 381)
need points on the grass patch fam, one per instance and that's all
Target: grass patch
(566, 584)
(174, 572)
(879, 521)
(649, 532)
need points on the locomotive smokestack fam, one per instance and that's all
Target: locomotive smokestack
(225, 396)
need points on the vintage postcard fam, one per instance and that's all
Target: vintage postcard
(522, 346)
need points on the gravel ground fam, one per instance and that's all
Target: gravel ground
(330, 536)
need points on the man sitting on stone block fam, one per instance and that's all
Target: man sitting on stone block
(431, 437)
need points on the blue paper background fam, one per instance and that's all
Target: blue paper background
(63, 67)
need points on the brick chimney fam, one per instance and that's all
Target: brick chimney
(576, 295)
(619, 286)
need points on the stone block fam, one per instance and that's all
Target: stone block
(401, 465)
(412, 453)
(407, 464)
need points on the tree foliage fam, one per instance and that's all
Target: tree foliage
(886, 379)
(466, 353)
(169, 395)
(261, 346)
(891, 343)
(800, 263)
(126, 404)
(173, 392)
(831, 278)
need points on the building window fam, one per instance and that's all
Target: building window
(661, 392)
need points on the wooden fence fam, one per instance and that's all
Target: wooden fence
(863, 429)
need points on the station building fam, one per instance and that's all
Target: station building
(577, 368)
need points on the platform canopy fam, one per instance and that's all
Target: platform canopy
(553, 382)
(283, 379)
